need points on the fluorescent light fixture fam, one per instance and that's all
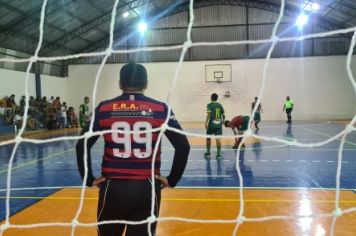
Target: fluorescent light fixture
(311, 6)
(315, 6)
(142, 27)
(125, 14)
(302, 20)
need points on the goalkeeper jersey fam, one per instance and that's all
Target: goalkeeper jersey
(128, 156)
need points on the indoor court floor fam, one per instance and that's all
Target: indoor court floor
(278, 179)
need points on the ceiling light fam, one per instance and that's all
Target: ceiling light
(311, 6)
(142, 27)
(315, 6)
(302, 20)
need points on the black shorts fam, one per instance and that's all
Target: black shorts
(214, 130)
(289, 110)
(126, 200)
(257, 117)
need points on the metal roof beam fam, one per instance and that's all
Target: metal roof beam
(184, 6)
(346, 4)
(178, 6)
(347, 10)
(289, 10)
(95, 5)
(23, 37)
(93, 24)
(12, 8)
(82, 22)
(31, 18)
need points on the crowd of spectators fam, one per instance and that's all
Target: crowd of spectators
(42, 113)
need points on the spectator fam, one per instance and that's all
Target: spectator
(3, 106)
(11, 101)
(57, 103)
(11, 105)
(63, 115)
(23, 103)
(72, 118)
(32, 101)
(52, 119)
(17, 120)
(43, 105)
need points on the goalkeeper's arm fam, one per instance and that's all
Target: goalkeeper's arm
(181, 151)
(80, 156)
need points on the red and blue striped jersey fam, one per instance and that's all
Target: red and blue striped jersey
(129, 155)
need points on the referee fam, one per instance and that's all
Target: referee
(288, 107)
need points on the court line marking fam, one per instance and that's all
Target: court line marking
(192, 188)
(37, 160)
(199, 160)
(324, 134)
(190, 199)
(41, 188)
(208, 176)
(263, 188)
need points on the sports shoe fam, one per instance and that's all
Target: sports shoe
(242, 147)
(218, 156)
(207, 155)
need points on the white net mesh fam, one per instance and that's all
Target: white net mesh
(240, 218)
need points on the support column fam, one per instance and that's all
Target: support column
(36, 68)
(247, 31)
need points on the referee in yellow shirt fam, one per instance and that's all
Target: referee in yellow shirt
(288, 106)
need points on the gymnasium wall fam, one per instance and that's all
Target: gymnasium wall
(319, 87)
(13, 82)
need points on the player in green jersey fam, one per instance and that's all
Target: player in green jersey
(257, 116)
(213, 124)
(84, 112)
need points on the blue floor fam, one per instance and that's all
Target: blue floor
(265, 164)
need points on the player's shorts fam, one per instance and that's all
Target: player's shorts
(244, 125)
(82, 122)
(289, 110)
(214, 130)
(257, 117)
(127, 200)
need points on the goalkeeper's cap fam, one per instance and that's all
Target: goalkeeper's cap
(133, 75)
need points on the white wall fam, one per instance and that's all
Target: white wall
(319, 87)
(55, 86)
(13, 82)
